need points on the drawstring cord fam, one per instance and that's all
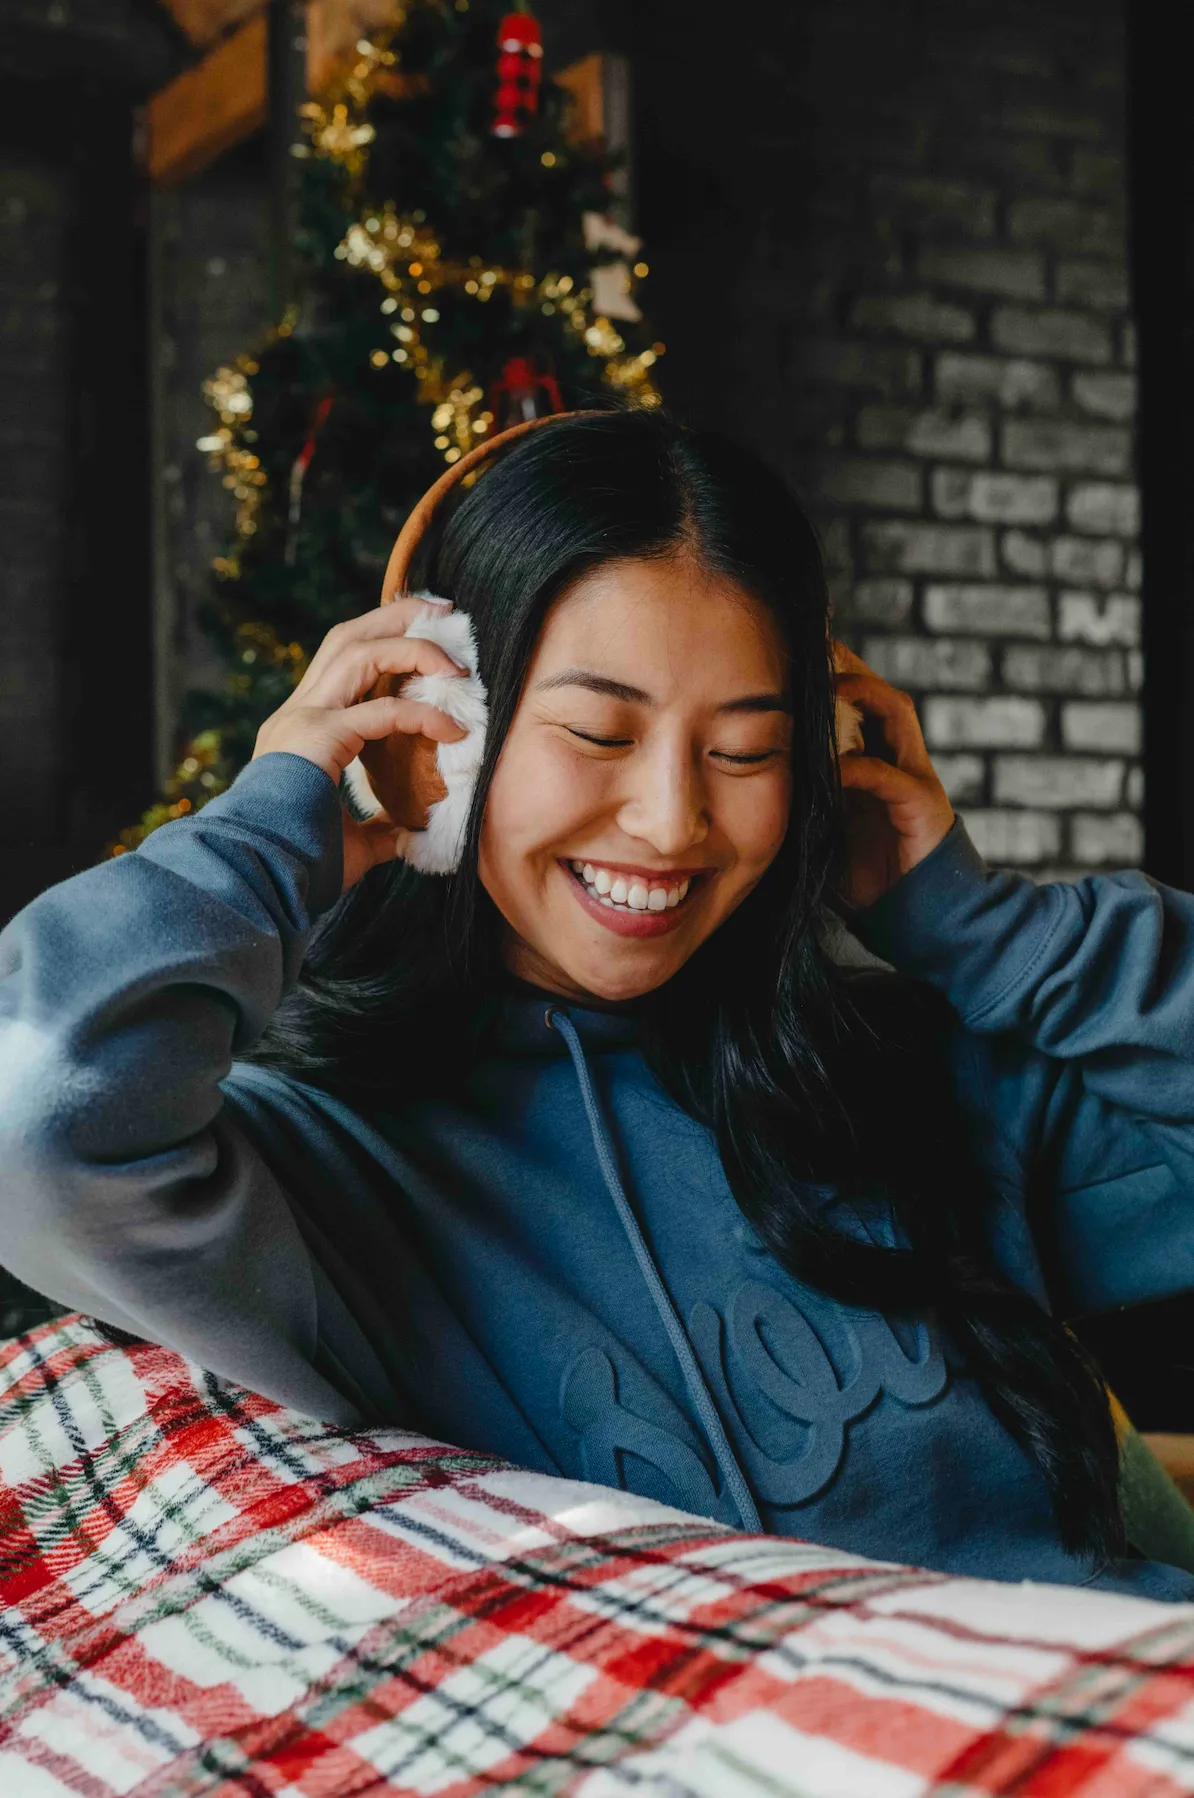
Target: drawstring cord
(699, 1392)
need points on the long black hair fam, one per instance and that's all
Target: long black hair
(805, 1073)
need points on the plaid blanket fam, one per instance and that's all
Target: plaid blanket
(204, 1593)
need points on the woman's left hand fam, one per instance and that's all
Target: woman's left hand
(896, 812)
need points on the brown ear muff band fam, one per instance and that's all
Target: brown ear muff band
(404, 771)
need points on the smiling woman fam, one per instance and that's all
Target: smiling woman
(651, 747)
(587, 1154)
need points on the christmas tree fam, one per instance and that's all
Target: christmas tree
(459, 270)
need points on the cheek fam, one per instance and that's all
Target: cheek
(540, 796)
(755, 819)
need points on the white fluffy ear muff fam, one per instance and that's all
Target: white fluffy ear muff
(437, 849)
(848, 727)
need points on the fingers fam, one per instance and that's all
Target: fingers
(895, 711)
(846, 662)
(383, 621)
(373, 719)
(867, 774)
(356, 666)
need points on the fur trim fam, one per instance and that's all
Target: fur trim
(438, 848)
(847, 722)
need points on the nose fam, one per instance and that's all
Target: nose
(663, 801)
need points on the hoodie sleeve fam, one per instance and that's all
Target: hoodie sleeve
(1084, 994)
(127, 1190)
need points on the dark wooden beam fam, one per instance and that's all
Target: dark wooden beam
(210, 107)
(1161, 212)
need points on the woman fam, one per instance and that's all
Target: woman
(588, 1155)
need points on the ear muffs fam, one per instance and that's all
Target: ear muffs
(427, 787)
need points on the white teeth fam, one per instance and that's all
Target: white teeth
(628, 893)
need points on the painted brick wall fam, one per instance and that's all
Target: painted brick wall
(922, 209)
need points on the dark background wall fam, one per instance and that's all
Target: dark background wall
(75, 686)
(890, 249)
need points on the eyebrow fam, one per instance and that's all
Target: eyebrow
(618, 689)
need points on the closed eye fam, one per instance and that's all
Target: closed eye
(723, 755)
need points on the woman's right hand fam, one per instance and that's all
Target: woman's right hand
(327, 720)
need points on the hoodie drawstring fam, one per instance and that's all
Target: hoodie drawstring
(702, 1398)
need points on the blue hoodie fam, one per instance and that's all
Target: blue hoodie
(544, 1259)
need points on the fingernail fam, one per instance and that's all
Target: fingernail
(434, 599)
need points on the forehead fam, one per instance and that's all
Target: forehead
(667, 618)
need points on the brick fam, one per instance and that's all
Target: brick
(1060, 444)
(1135, 670)
(1104, 510)
(921, 663)
(1127, 345)
(1005, 721)
(1133, 570)
(866, 367)
(988, 611)
(1053, 121)
(940, 431)
(1090, 561)
(1112, 728)
(1099, 618)
(918, 548)
(1058, 782)
(1023, 554)
(1066, 225)
(994, 498)
(918, 315)
(971, 380)
(1116, 837)
(1017, 838)
(1106, 395)
(1094, 672)
(886, 486)
(1014, 274)
(886, 602)
(962, 776)
(1101, 284)
(1052, 332)
(1098, 171)
(934, 205)
(1134, 788)
(835, 545)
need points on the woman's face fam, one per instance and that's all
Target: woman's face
(643, 788)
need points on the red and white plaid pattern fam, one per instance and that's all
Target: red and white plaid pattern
(204, 1593)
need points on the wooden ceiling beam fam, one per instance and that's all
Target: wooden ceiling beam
(203, 21)
(224, 98)
(210, 107)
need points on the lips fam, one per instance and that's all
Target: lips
(640, 919)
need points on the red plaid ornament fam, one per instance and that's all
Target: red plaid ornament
(519, 64)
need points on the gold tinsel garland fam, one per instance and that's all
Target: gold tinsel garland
(405, 256)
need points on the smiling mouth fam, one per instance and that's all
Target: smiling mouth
(634, 895)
